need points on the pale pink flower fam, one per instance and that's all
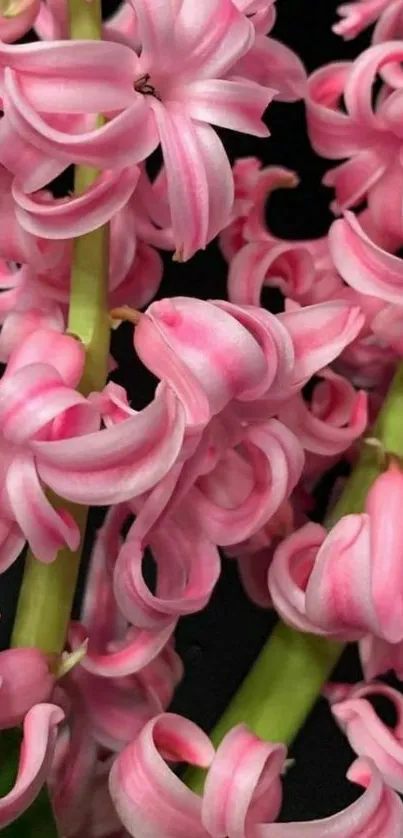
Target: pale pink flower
(368, 736)
(346, 583)
(367, 134)
(40, 730)
(184, 78)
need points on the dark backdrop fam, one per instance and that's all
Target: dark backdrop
(219, 645)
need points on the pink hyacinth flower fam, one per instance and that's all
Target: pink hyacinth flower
(40, 730)
(150, 800)
(355, 581)
(379, 811)
(367, 135)
(25, 680)
(368, 736)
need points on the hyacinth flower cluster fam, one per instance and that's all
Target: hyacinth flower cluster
(226, 457)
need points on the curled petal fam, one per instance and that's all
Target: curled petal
(149, 798)
(320, 333)
(40, 726)
(368, 736)
(379, 811)
(49, 72)
(12, 543)
(243, 785)
(235, 503)
(239, 105)
(257, 264)
(188, 566)
(118, 463)
(289, 573)
(134, 652)
(201, 352)
(333, 134)
(353, 180)
(274, 65)
(109, 146)
(327, 435)
(363, 264)
(45, 528)
(72, 217)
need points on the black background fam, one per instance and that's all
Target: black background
(219, 645)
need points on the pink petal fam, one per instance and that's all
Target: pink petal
(358, 16)
(286, 266)
(186, 179)
(243, 785)
(112, 145)
(211, 37)
(118, 463)
(353, 180)
(202, 352)
(365, 266)
(368, 736)
(320, 333)
(239, 105)
(46, 529)
(12, 543)
(289, 571)
(73, 76)
(72, 217)
(133, 654)
(188, 567)
(332, 133)
(379, 811)
(149, 798)
(35, 760)
(274, 65)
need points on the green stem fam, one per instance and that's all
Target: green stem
(47, 591)
(283, 685)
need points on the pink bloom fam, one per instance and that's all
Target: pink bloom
(150, 800)
(169, 94)
(368, 736)
(378, 812)
(243, 785)
(40, 728)
(369, 136)
(25, 680)
(348, 582)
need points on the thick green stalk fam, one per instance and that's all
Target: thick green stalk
(280, 690)
(47, 591)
